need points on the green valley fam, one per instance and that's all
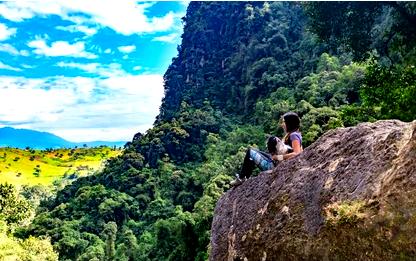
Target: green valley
(31, 167)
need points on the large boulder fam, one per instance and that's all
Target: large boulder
(349, 196)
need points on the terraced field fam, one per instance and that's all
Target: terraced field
(32, 167)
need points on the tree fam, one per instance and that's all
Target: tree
(128, 248)
(14, 210)
(32, 248)
(360, 27)
(393, 90)
(344, 26)
(110, 232)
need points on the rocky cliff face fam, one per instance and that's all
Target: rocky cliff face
(349, 196)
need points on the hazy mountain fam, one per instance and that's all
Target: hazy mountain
(22, 138)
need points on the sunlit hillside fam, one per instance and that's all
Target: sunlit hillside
(31, 167)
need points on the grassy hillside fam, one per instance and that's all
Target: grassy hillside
(31, 167)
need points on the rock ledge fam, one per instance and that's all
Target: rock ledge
(349, 196)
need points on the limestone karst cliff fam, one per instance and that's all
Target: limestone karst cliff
(349, 196)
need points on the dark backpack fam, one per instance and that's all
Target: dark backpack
(271, 145)
(276, 146)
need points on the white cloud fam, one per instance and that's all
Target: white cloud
(24, 52)
(24, 100)
(126, 17)
(8, 67)
(170, 38)
(80, 108)
(27, 66)
(88, 31)
(15, 11)
(60, 48)
(8, 48)
(129, 84)
(6, 32)
(137, 68)
(110, 70)
(127, 49)
(108, 50)
(88, 67)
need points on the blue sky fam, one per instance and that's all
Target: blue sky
(85, 69)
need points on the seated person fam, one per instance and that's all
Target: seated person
(278, 150)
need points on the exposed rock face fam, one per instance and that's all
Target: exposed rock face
(349, 196)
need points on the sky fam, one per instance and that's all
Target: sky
(85, 70)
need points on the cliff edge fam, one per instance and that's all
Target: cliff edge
(349, 196)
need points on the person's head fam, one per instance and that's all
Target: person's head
(290, 121)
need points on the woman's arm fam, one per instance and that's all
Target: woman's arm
(297, 148)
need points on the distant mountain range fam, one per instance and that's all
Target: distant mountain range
(22, 138)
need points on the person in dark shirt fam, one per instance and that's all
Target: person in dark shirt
(278, 150)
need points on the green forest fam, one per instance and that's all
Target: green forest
(239, 68)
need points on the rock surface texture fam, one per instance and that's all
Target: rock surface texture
(349, 196)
